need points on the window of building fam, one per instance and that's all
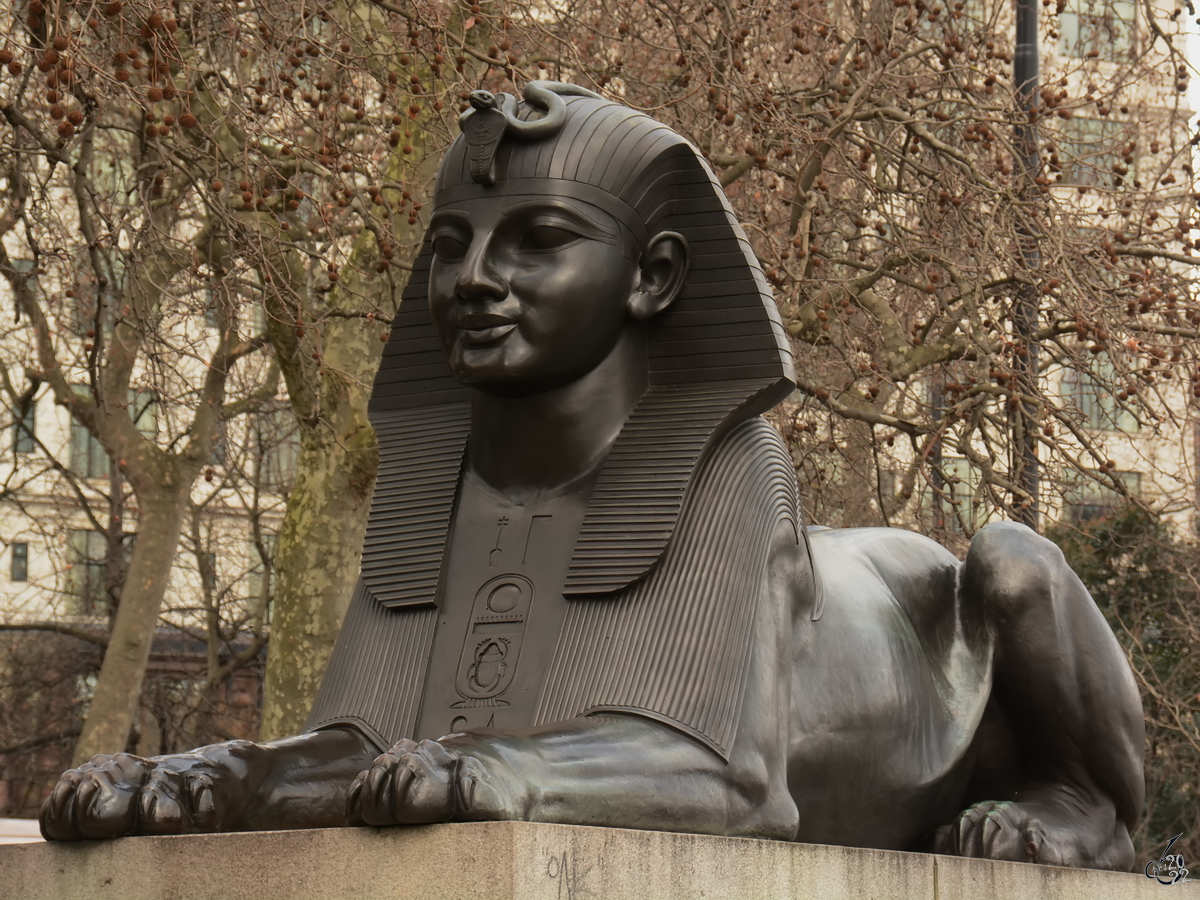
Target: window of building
(143, 409)
(1101, 29)
(88, 313)
(1092, 499)
(959, 502)
(86, 574)
(1090, 392)
(210, 309)
(88, 457)
(278, 443)
(251, 319)
(260, 576)
(20, 562)
(23, 430)
(25, 267)
(1090, 151)
(206, 562)
(220, 450)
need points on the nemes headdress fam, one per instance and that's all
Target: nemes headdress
(718, 355)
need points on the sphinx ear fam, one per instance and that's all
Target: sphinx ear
(664, 268)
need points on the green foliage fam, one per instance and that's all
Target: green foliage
(1146, 582)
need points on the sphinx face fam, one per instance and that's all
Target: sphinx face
(528, 292)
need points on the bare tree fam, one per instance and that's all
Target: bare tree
(244, 177)
(278, 156)
(873, 152)
(205, 667)
(109, 220)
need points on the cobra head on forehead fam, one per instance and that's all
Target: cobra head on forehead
(562, 141)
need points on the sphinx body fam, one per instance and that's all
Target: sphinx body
(588, 593)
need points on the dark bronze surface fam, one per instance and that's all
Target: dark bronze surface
(587, 592)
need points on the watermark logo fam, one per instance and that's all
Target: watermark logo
(1168, 868)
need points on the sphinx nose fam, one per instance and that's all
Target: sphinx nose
(478, 278)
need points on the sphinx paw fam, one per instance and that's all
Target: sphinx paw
(99, 799)
(411, 784)
(119, 795)
(997, 829)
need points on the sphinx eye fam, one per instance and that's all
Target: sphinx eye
(449, 248)
(547, 237)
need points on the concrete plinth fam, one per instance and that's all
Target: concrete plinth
(511, 860)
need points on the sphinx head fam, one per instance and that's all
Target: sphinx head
(546, 250)
(608, 181)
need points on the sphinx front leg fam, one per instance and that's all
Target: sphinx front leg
(296, 782)
(617, 771)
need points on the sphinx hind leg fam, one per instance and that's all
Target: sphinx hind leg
(1064, 713)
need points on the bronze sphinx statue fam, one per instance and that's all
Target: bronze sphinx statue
(588, 595)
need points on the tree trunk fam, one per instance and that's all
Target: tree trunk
(119, 687)
(317, 558)
(320, 544)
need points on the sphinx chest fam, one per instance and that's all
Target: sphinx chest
(500, 610)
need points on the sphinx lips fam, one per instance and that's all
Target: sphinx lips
(483, 328)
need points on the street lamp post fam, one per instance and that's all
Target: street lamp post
(1023, 417)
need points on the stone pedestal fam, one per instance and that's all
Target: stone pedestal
(510, 860)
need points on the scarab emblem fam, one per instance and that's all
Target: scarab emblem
(488, 669)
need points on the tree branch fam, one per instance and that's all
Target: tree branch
(82, 634)
(41, 740)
